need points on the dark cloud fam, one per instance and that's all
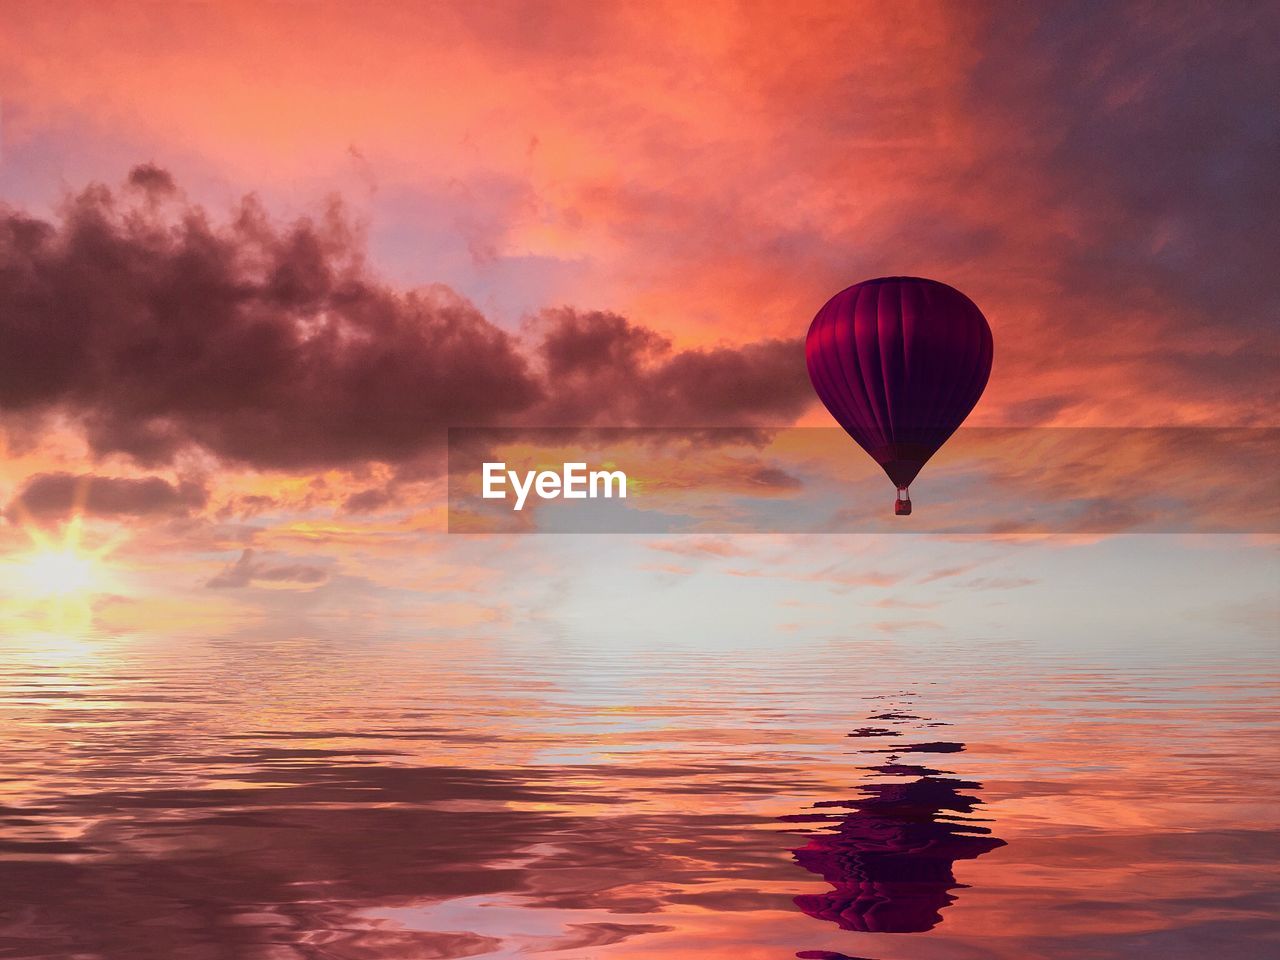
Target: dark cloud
(57, 495)
(773, 478)
(250, 505)
(1150, 130)
(366, 501)
(606, 370)
(582, 345)
(152, 179)
(273, 345)
(249, 569)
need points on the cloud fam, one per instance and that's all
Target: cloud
(904, 626)
(249, 505)
(367, 501)
(1099, 179)
(262, 344)
(48, 496)
(840, 577)
(606, 370)
(946, 573)
(248, 569)
(700, 546)
(273, 346)
(999, 583)
(152, 180)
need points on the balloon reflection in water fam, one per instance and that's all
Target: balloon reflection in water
(890, 860)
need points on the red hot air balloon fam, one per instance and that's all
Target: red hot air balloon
(899, 362)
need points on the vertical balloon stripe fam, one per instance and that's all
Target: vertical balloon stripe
(868, 357)
(888, 321)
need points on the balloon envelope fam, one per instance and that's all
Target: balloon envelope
(899, 362)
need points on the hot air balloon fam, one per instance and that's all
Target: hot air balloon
(899, 362)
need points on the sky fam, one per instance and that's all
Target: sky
(255, 261)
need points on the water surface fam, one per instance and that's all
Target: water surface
(308, 798)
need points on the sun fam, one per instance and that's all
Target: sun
(58, 572)
(52, 590)
(59, 568)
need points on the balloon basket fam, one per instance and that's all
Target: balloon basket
(902, 506)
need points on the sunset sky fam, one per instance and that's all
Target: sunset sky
(255, 263)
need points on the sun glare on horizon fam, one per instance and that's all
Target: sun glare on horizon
(58, 572)
(56, 583)
(60, 567)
